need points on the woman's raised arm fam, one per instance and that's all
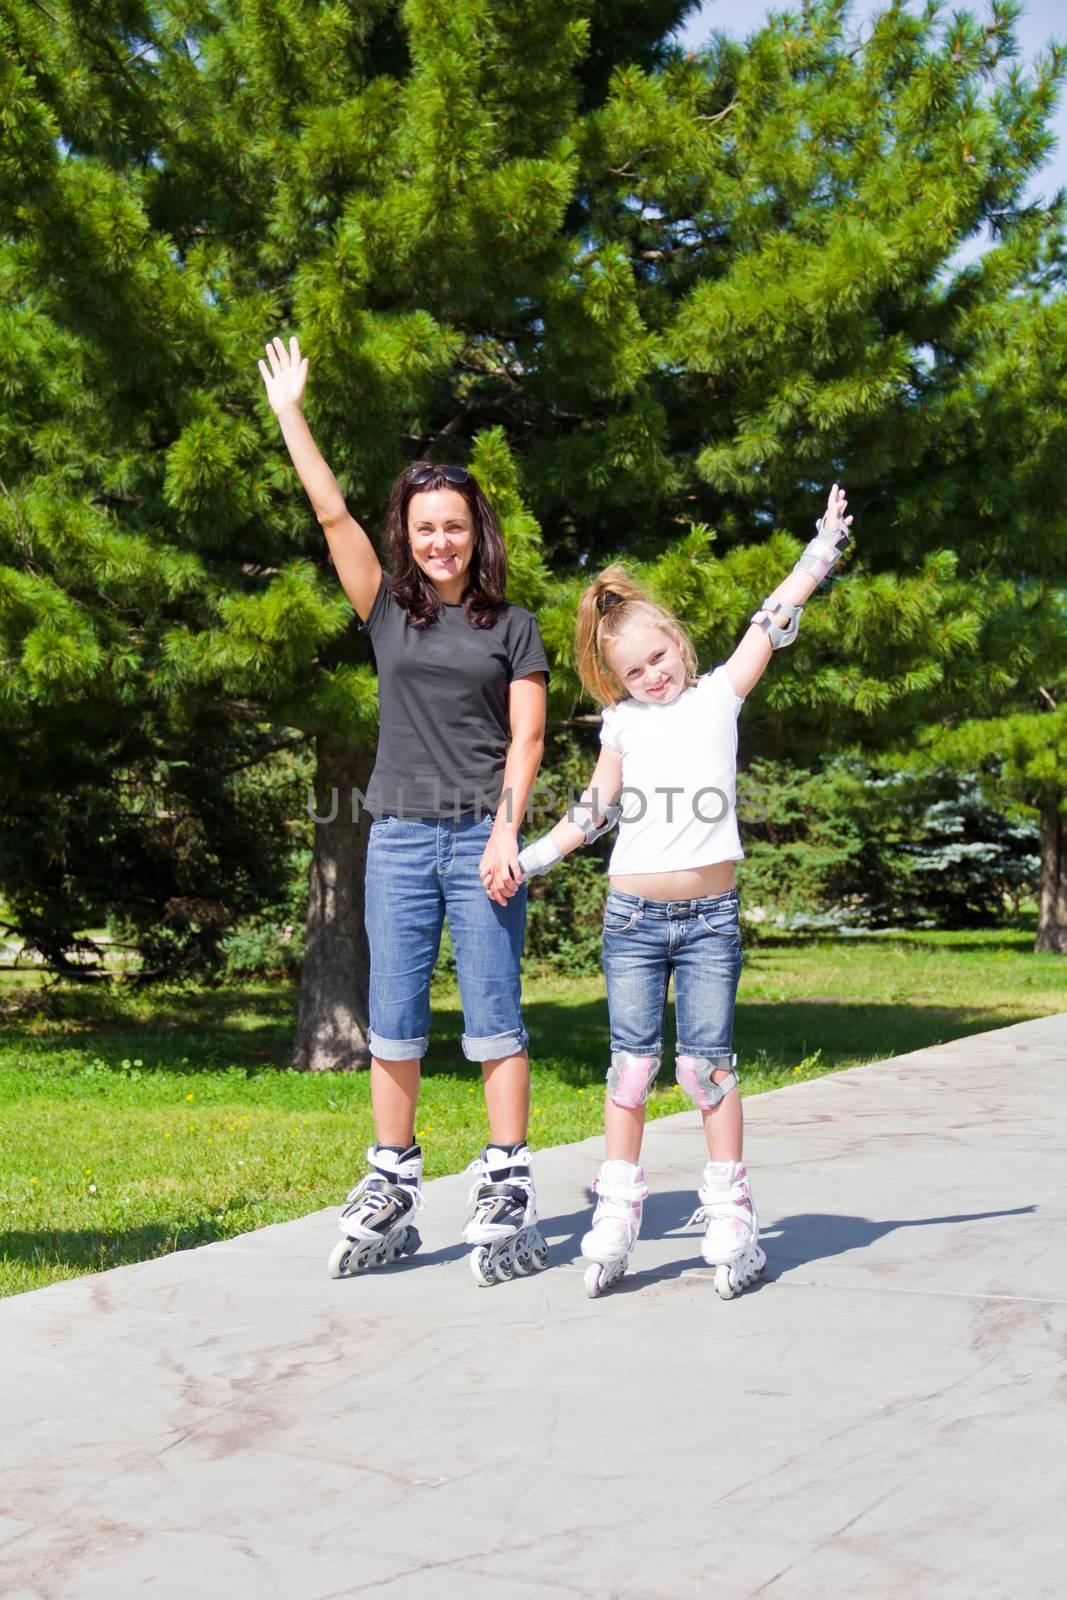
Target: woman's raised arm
(353, 554)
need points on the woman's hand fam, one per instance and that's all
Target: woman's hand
(286, 378)
(499, 867)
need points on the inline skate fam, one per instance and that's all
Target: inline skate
(375, 1216)
(621, 1192)
(731, 1227)
(502, 1225)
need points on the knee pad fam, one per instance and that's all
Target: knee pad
(630, 1078)
(694, 1075)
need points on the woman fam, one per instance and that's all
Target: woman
(461, 689)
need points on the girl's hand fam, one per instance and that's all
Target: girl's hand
(499, 867)
(835, 518)
(286, 378)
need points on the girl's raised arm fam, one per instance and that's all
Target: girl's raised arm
(775, 623)
(353, 554)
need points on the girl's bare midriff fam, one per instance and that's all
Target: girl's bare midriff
(691, 883)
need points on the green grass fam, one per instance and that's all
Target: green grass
(136, 1123)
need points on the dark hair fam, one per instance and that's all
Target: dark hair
(484, 596)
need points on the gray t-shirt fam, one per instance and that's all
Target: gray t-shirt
(443, 706)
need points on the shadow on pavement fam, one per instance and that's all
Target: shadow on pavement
(815, 1236)
(790, 1242)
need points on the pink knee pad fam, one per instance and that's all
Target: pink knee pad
(694, 1075)
(630, 1078)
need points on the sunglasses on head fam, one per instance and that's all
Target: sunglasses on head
(425, 475)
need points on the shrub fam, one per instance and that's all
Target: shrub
(848, 844)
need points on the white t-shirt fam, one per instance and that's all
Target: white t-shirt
(679, 774)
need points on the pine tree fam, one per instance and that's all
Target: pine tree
(645, 295)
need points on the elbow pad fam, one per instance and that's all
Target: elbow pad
(778, 636)
(585, 811)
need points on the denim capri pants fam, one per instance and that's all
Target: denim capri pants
(419, 871)
(699, 941)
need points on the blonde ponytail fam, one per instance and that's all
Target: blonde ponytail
(612, 603)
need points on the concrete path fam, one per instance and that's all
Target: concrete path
(883, 1416)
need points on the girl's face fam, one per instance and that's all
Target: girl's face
(647, 660)
(441, 531)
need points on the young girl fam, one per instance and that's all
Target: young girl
(669, 749)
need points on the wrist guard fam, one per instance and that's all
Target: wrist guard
(539, 856)
(825, 550)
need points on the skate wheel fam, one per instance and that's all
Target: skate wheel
(724, 1286)
(594, 1280)
(523, 1260)
(505, 1266)
(539, 1251)
(751, 1268)
(398, 1249)
(412, 1241)
(340, 1257)
(481, 1268)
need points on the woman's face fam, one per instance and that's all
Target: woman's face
(647, 661)
(441, 531)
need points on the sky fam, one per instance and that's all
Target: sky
(1040, 21)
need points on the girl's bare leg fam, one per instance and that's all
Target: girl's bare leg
(624, 1127)
(724, 1128)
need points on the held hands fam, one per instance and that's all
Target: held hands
(286, 378)
(499, 867)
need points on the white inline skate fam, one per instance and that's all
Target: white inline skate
(621, 1193)
(731, 1227)
(374, 1219)
(502, 1225)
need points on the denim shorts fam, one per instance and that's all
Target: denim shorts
(699, 941)
(418, 872)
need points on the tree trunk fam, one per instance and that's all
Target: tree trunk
(331, 1030)
(1052, 921)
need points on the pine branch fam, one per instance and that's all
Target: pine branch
(684, 247)
(718, 115)
(626, 171)
(22, 535)
(245, 711)
(452, 426)
(271, 748)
